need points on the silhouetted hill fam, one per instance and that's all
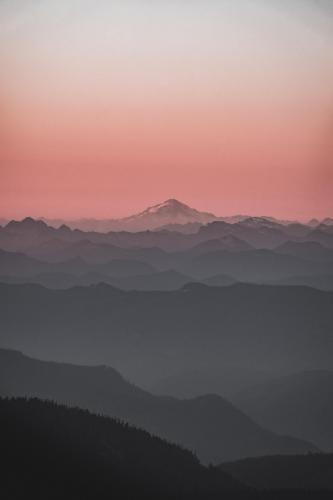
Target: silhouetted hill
(300, 404)
(53, 452)
(150, 334)
(209, 425)
(307, 472)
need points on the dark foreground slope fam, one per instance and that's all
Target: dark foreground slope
(54, 452)
(209, 425)
(308, 472)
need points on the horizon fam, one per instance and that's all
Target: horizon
(152, 205)
(49, 219)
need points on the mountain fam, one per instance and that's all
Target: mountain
(300, 472)
(258, 232)
(209, 425)
(171, 215)
(148, 335)
(169, 212)
(218, 248)
(39, 240)
(51, 451)
(300, 404)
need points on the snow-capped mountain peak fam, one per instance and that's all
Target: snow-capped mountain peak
(170, 211)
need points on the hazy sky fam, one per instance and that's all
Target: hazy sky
(109, 106)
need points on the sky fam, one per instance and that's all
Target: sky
(109, 106)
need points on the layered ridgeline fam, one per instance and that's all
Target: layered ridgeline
(149, 335)
(300, 404)
(170, 214)
(252, 249)
(209, 425)
(54, 452)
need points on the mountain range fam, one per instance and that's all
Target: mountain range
(52, 451)
(150, 334)
(253, 250)
(224, 324)
(208, 425)
(172, 215)
(299, 403)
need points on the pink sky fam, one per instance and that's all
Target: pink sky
(108, 110)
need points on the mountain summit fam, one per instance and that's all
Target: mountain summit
(170, 211)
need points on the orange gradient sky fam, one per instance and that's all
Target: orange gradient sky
(109, 106)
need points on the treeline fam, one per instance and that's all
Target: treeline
(55, 452)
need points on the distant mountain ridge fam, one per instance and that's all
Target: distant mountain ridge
(149, 334)
(256, 250)
(299, 404)
(259, 232)
(170, 215)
